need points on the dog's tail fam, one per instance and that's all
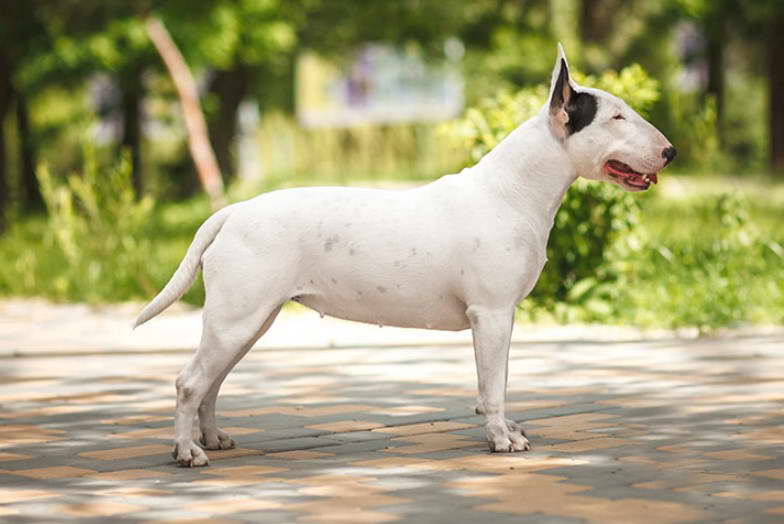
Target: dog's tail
(189, 267)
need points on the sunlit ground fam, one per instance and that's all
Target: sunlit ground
(659, 431)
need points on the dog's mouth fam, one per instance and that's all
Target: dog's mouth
(620, 171)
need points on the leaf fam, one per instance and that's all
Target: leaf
(580, 290)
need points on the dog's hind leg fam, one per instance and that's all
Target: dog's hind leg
(227, 335)
(213, 437)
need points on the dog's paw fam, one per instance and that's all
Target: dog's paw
(217, 439)
(508, 444)
(190, 456)
(514, 427)
(503, 439)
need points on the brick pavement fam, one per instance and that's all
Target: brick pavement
(651, 431)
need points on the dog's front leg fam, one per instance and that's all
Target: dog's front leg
(492, 331)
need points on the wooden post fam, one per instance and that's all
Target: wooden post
(198, 139)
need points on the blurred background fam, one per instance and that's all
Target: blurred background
(107, 110)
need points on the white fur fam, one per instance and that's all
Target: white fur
(459, 252)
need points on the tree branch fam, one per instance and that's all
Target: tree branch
(198, 139)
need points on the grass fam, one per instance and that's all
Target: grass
(37, 266)
(709, 252)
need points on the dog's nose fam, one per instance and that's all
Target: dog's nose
(669, 153)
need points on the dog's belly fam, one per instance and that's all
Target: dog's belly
(437, 312)
(377, 292)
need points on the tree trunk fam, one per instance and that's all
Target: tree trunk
(716, 36)
(596, 19)
(31, 191)
(132, 94)
(198, 140)
(590, 21)
(230, 88)
(6, 94)
(776, 93)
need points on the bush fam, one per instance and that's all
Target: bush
(98, 243)
(717, 270)
(97, 226)
(696, 133)
(593, 217)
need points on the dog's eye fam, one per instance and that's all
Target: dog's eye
(618, 117)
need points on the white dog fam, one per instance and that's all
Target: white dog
(457, 253)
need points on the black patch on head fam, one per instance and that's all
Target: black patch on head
(581, 107)
(581, 110)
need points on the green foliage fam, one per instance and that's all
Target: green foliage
(632, 84)
(702, 139)
(295, 156)
(696, 133)
(593, 217)
(97, 224)
(98, 242)
(227, 33)
(484, 126)
(714, 268)
(127, 250)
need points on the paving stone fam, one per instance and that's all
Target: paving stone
(272, 446)
(663, 431)
(278, 434)
(358, 436)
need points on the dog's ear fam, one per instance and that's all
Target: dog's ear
(562, 90)
(569, 110)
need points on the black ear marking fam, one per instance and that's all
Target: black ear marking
(580, 107)
(581, 110)
(557, 99)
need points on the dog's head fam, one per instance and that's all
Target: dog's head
(604, 138)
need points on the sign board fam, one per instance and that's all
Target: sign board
(379, 85)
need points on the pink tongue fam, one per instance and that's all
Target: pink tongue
(624, 174)
(652, 177)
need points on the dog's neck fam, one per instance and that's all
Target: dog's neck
(531, 170)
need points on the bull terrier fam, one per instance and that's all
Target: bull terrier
(457, 253)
